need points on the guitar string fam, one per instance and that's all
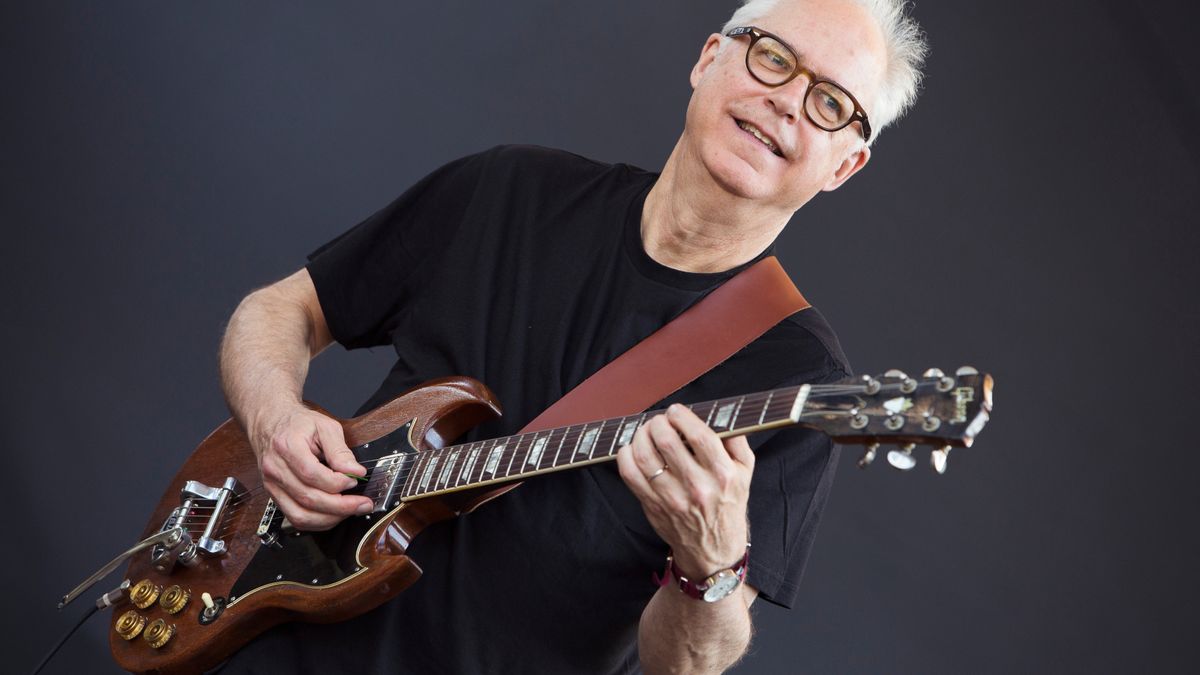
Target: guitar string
(568, 433)
(196, 528)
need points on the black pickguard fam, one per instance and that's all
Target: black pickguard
(319, 558)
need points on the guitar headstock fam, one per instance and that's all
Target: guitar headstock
(935, 409)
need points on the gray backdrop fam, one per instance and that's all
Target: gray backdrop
(1034, 216)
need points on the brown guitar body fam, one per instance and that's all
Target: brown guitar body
(259, 572)
(252, 597)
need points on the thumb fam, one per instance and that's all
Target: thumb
(332, 440)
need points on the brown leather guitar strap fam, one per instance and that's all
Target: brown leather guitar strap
(690, 345)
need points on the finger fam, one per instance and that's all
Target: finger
(339, 457)
(305, 465)
(656, 495)
(670, 445)
(739, 449)
(706, 446)
(337, 506)
(300, 517)
(644, 453)
(291, 478)
(632, 473)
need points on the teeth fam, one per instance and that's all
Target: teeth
(759, 135)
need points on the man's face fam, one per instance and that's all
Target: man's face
(835, 39)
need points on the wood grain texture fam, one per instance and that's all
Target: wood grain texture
(441, 411)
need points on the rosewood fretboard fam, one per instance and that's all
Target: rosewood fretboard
(516, 457)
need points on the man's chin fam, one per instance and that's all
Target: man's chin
(744, 180)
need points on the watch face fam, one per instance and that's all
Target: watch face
(723, 583)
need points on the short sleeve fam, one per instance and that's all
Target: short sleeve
(793, 477)
(364, 276)
(792, 480)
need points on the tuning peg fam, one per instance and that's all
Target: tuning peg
(903, 458)
(938, 458)
(966, 370)
(868, 456)
(872, 385)
(933, 373)
(896, 373)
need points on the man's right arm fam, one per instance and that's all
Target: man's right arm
(271, 337)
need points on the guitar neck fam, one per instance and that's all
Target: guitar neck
(461, 467)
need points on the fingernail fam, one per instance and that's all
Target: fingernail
(365, 508)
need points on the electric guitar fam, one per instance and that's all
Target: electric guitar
(218, 563)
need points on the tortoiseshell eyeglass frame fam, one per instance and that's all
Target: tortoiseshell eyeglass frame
(757, 34)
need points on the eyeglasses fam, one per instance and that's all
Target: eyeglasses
(772, 62)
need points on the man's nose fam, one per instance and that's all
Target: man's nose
(788, 99)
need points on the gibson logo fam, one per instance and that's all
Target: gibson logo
(962, 396)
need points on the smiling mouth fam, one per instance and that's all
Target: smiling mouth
(757, 133)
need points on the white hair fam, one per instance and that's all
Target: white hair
(906, 50)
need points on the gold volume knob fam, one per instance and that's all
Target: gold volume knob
(129, 625)
(174, 599)
(158, 632)
(144, 593)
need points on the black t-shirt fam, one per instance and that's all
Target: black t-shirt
(523, 268)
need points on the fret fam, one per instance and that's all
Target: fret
(733, 422)
(469, 462)
(534, 456)
(493, 460)
(566, 432)
(430, 467)
(628, 429)
(766, 406)
(711, 410)
(612, 448)
(520, 439)
(410, 481)
(587, 442)
(447, 468)
(476, 474)
(724, 410)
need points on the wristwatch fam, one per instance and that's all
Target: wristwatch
(719, 585)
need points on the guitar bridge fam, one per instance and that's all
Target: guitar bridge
(183, 549)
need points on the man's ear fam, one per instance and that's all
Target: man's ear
(850, 166)
(707, 55)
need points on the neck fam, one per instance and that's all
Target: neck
(691, 223)
(470, 465)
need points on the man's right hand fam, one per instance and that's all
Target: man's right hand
(290, 447)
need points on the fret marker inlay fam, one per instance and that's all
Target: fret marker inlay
(723, 414)
(470, 463)
(535, 453)
(445, 475)
(493, 459)
(589, 440)
(429, 469)
(627, 431)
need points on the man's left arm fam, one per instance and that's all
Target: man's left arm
(694, 489)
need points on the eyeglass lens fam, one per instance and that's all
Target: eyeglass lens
(828, 105)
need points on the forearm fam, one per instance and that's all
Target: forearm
(265, 355)
(680, 634)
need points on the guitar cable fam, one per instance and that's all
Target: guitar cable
(109, 599)
(92, 610)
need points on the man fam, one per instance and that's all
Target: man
(530, 269)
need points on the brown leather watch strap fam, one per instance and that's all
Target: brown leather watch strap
(693, 343)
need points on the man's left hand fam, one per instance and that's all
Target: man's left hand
(694, 488)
